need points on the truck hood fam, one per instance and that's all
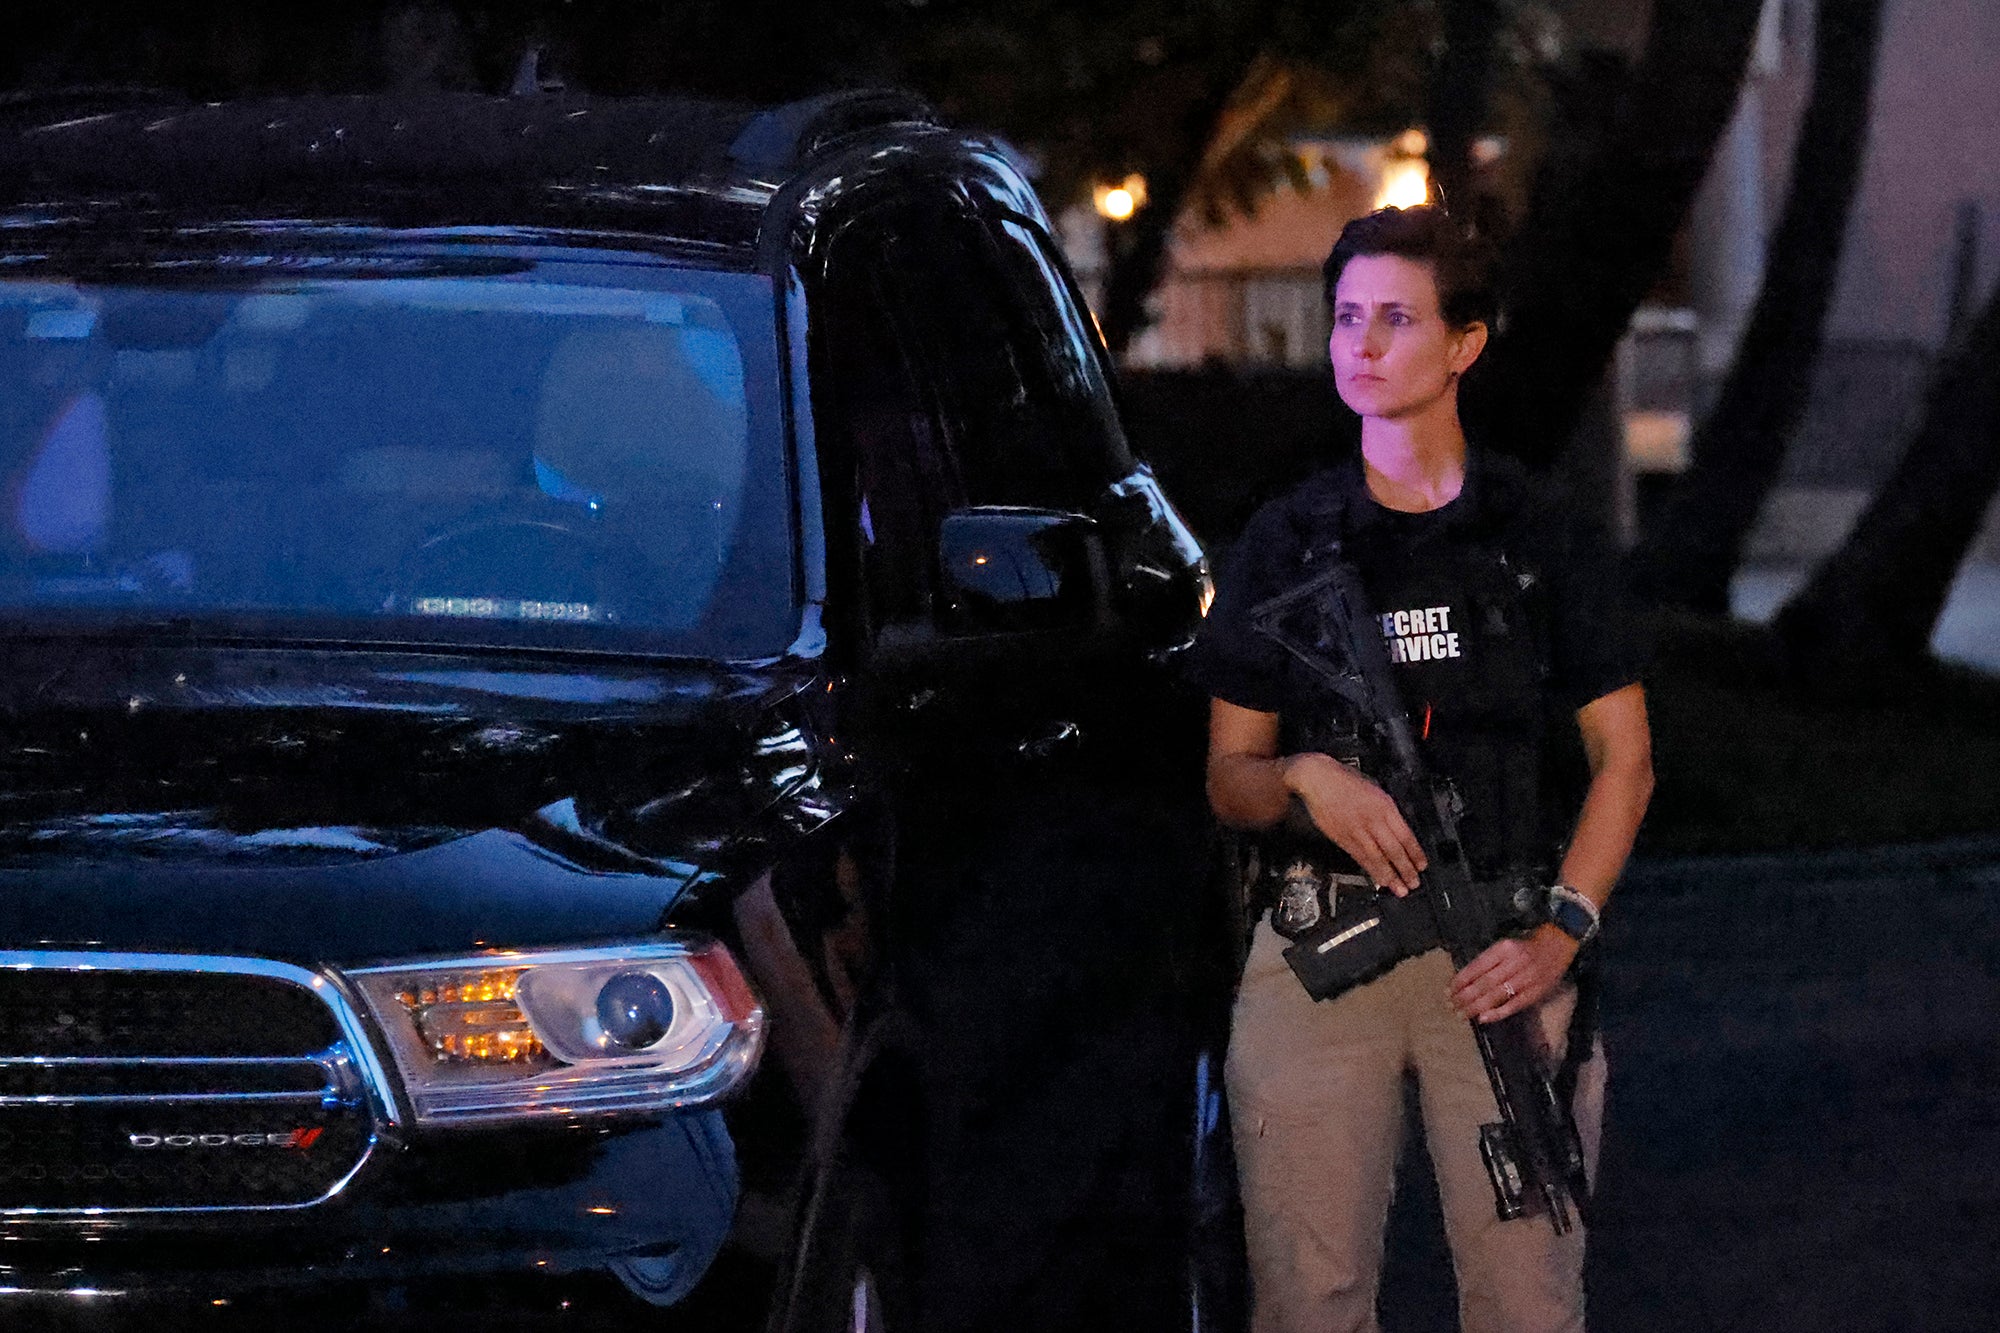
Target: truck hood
(323, 805)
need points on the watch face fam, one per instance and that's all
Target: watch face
(1570, 919)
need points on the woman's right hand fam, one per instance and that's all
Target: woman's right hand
(1359, 817)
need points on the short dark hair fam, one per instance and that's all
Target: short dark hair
(1462, 260)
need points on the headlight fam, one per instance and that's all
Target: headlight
(641, 1027)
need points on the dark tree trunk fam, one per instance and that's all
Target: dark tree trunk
(1868, 611)
(1137, 248)
(1690, 554)
(1137, 252)
(1602, 221)
(1460, 91)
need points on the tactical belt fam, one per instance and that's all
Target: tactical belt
(1344, 931)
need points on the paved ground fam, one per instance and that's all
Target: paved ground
(1804, 1129)
(1803, 1134)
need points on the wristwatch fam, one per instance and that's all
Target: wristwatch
(1572, 913)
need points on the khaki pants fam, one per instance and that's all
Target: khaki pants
(1315, 1094)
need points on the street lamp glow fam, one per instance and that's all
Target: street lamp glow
(1405, 184)
(1119, 202)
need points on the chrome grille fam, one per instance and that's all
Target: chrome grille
(46, 1011)
(142, 1082)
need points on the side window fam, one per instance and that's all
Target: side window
(951, 354)
(1022, 417)
(905, 481)
(1070, 346)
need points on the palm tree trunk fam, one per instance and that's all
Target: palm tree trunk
(1460, 91)
(1691, 553)
(1137, 249)
(1868, 611)
(1602, 221)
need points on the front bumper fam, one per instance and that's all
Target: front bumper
(181, 1125)
(652, 1201)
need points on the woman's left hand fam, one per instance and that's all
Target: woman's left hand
(1512, 975)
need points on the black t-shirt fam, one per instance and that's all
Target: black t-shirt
(1503, 613)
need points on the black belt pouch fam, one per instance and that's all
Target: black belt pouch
(1364, 936)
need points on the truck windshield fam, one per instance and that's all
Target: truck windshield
(549, 453)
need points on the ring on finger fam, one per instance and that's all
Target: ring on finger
(1508, 986)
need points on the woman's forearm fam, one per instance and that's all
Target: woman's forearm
(1607, 826)
(1248, 791)
(1247, 786)
(1251, 788)
(1619, 744)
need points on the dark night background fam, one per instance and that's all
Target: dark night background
(1750, 315)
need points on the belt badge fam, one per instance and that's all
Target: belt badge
(1298, 899)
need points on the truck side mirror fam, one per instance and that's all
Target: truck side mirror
(1008, 570)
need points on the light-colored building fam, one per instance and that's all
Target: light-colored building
(1923, 240)
(1248, 292)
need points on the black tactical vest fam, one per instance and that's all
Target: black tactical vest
(1483, 711)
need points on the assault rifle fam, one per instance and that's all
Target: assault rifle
(1532, 1154)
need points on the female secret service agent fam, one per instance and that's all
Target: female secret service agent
(1501, 613)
